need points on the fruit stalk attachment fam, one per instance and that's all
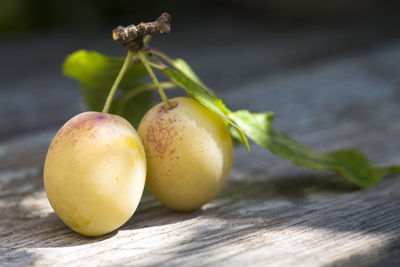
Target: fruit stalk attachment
(155, 80)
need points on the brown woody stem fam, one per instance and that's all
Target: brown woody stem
(133, 35)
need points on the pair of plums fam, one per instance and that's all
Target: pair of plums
(97, 164)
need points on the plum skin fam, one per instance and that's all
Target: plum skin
(189, 153)
(94, 172)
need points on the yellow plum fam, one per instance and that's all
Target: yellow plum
(189, 153)
(94, 173)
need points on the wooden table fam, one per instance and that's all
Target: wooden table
(330, 86)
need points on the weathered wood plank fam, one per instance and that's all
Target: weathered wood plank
(261, 218)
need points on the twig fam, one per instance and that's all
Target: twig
(133, 35)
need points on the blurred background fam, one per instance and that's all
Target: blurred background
(231, 44)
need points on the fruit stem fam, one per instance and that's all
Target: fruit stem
(127, 62)
(154, 78)
(146, 39)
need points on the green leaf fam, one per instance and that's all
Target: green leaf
(184, 67)
(236, 138)
(96, 74)
(352, 164)
(134, 108)
(200, 93)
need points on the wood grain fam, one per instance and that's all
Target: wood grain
(269, 213)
